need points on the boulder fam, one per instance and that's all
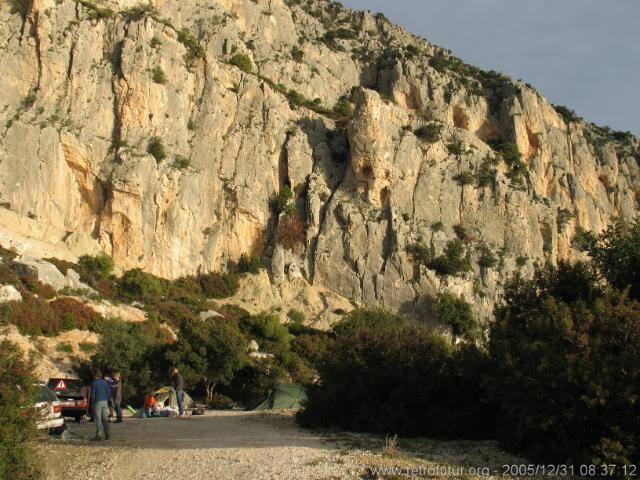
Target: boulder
(207, 314)
(9, 293)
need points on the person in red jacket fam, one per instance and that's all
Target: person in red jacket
(150, 403)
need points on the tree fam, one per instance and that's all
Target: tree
(243, 62)
(99, 266)
(17, 420)
(566, 368)
(616, 254)
(209, 352)
(456, 313)
(136, 350)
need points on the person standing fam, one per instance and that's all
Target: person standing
(100, 395)
(116, 395)
(178, 386)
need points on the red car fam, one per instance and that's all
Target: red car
(74, 397)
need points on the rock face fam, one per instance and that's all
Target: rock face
(126, 128)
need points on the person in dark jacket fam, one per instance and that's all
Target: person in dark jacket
(100, 395)
(178, 386)
(116, 394)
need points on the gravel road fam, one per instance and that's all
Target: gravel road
(255, 445)
(219, 445)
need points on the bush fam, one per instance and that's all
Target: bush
(243, 62)
(464, 178)
(281, 202)
(64, 348)
(291, 231)
(430, 133)
(219, 285)
(461, 232)
(456, 147)
(456, 313)
(513, 158)
(250, 264)
(566, 368)
(616, 255)
(195, 51)
(99, 266)
(297, 54)
(452, 261)
(156, 149)
(569, 115)
(384, 375)
(139, 284)
(158, 76)
(180, 162)
(17, 423)
(487, 172)
(220, 402)
(487, 258)
(343, 108)
(266, 327)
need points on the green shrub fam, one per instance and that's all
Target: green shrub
(616, 254)
(29, 100)
(139, 284)
(385, 375)
(265, 327)
(430, 133)
(195, 51)
(452, 261)
(158, 76)
(456, 313)
(156, 149)
(513, 158)
(456, 147)
(461, 232)
(17, 424)
(250, 264)
(437, 226)
(487, 258)
(464, 178)
(487, 172)
(180, 162)
(98, 266)
(64, 347)
(296, 316)
(220, 402)
(243, 62)
(569, 115)
(564, 216)
(296, 98)
(343, 108)
(297, 54)
(566, 373)
(219, 285)
(281, 202)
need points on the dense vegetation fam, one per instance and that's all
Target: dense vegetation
(17, 420)
(558, 378)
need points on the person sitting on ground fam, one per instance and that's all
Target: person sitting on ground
(100, 396)
(150, 403)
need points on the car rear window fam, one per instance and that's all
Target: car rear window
(70, 385)
(46, 395)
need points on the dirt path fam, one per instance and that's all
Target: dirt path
(247, 445)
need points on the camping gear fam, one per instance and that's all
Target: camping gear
(284, 396)
(131, 409)
(167, 396)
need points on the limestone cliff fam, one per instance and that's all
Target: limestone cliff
(129, 128)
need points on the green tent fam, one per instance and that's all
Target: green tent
(284, 396)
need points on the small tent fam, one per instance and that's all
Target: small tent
(167, 396)
(284, 396)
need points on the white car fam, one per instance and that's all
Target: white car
(49, 411)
